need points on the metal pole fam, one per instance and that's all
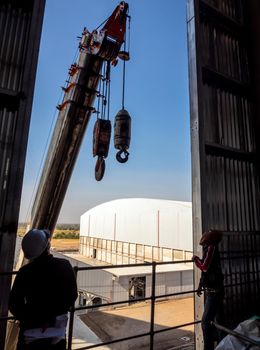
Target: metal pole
(72, 312)
(152, 305)
(242, 337)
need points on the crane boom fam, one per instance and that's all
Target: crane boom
(74, 115)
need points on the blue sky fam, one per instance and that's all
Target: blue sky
(156, 98)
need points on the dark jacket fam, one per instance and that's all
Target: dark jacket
(211, 276)
(42, 290)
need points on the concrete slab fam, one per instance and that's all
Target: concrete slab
(127, 321)
(83, 336)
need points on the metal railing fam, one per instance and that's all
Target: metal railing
(151, 298)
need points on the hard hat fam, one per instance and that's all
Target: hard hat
(35, 242)
(211, 237)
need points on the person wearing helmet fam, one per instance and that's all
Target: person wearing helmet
(42, 294)
(211, 283)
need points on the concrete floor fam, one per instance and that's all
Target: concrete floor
(83, 336)
(135, 319)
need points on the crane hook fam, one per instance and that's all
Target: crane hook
(119, 157)
(100, 168)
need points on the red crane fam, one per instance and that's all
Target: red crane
(96, 49)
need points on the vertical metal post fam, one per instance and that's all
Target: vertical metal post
(72, 312)
(158, 228)
(21, 25)
(152, 305)
(114, 226)
(199, 210)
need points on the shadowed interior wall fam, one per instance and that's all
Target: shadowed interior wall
(20, 29)
(224, 95)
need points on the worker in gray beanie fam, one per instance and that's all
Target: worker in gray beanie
(42, 294)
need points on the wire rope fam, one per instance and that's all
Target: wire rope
(102, 23)
(103, 93)
(123, 91)
(108, 104)
(99, 96)
(107, 93)
(33, 195)
(129, 20)
(36, 183)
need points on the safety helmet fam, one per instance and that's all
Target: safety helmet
(35, 242)
(211, 237)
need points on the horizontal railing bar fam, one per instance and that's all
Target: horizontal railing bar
(111, 304)
(176, 293)
(173, 262)
(128, 301)
(8, 273)
(106, 267)
(7, 318)
(133, 301)
(80, 308)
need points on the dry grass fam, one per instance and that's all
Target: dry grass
(65, 244)
(59, 244)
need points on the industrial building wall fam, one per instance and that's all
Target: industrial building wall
(223, 39)
(111, 286)
(96, 282)
(158, 223)
(171, 282)
(20, 30)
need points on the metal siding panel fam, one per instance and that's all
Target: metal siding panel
(20, 29)
(160, 285)
(121, 289)
(14, 32)
(224, 127)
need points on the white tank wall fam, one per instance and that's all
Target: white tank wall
(152, 222)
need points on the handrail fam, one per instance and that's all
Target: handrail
(240, 336)
(8, 273)
(151, 298)
(108, 267)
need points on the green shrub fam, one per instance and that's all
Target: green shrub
(66, 235)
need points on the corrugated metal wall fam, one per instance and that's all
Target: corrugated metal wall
(224, 136)
(20, 29)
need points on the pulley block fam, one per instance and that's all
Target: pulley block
(122, 134)
(101, 138)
